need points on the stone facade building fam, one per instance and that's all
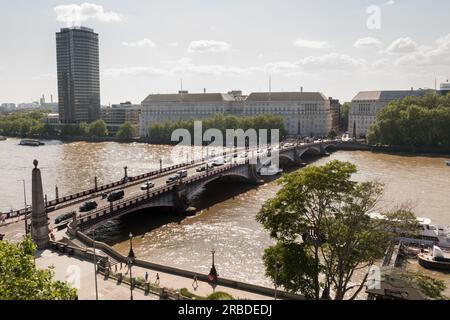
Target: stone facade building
(116, 115)
(304, 113)
(366, 105)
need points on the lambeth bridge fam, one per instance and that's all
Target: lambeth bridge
(240, 166)
(179, 195)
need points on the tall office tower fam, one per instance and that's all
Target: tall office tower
(78, 75)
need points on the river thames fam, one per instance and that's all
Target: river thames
(226, 221)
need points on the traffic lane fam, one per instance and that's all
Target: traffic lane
(16, 230)
(131, 191)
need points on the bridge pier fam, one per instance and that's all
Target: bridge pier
(180, 199)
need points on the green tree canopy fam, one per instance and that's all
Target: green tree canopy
(413, 122)
(98, 129)
(161, 133)
(345, 110)
(127, 131)
(321, 221)
(20, 280)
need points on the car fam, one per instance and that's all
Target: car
(244, 155)
(219, 162)
(104, 195)
(148, 185)
(202, 168)
(116, 195)
(64, 217)
(182, 173)
(88, 206)
(172, 179)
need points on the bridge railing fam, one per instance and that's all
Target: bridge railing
(154, 173)
(137, 200)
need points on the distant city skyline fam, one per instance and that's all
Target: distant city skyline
(327, 46)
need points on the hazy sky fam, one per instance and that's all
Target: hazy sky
(336, 47)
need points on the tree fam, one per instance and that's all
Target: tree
(20, 280)
(98, 129)
(345, 111)
(127, 131)
(320, 218)
(432, 288)
(413, 122)
(77, 130)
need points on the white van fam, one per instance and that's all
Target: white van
(182, 173)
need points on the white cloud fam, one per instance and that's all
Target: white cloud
(389, 3)
(186, 66)
(402, 45)
(203, 46)
(437, 55)
(312, 44)
(140, 44)
(135, 71)
(281, 67)
(182, 66)
(174, 44)
(367, 42)
(74, 14)
(332, 61)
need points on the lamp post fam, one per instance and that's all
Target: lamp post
(130, 261)
(25, 202)
(160, 165)
(125, 178)
(95, 265)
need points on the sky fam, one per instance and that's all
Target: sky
(147, 46)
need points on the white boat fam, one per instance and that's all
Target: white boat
(428, 233)
(2, 138)
(270, 171)
(30, 142)
(447, 163)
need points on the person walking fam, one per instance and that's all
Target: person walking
(195, 283)
(157, 279)
(146, 276)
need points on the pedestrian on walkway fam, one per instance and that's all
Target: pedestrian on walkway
(157, 279)
(146, 276)
(195, 283)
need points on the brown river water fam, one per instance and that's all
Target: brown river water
(226, 221)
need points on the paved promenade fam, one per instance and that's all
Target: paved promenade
(80, 274)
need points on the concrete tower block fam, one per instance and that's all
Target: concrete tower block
(39, 222)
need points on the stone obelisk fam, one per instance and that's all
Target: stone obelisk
(39, 222)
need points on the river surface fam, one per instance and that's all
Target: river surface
(227, 218)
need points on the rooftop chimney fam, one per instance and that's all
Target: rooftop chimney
(301, 89)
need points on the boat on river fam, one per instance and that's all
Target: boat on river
(447, 163)
(2, 138)
(31, 143)
(427, 234)
(270, 171)
(437, 260)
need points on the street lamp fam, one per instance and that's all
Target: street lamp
(130, 261)
(25, 202)
(95, 265)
